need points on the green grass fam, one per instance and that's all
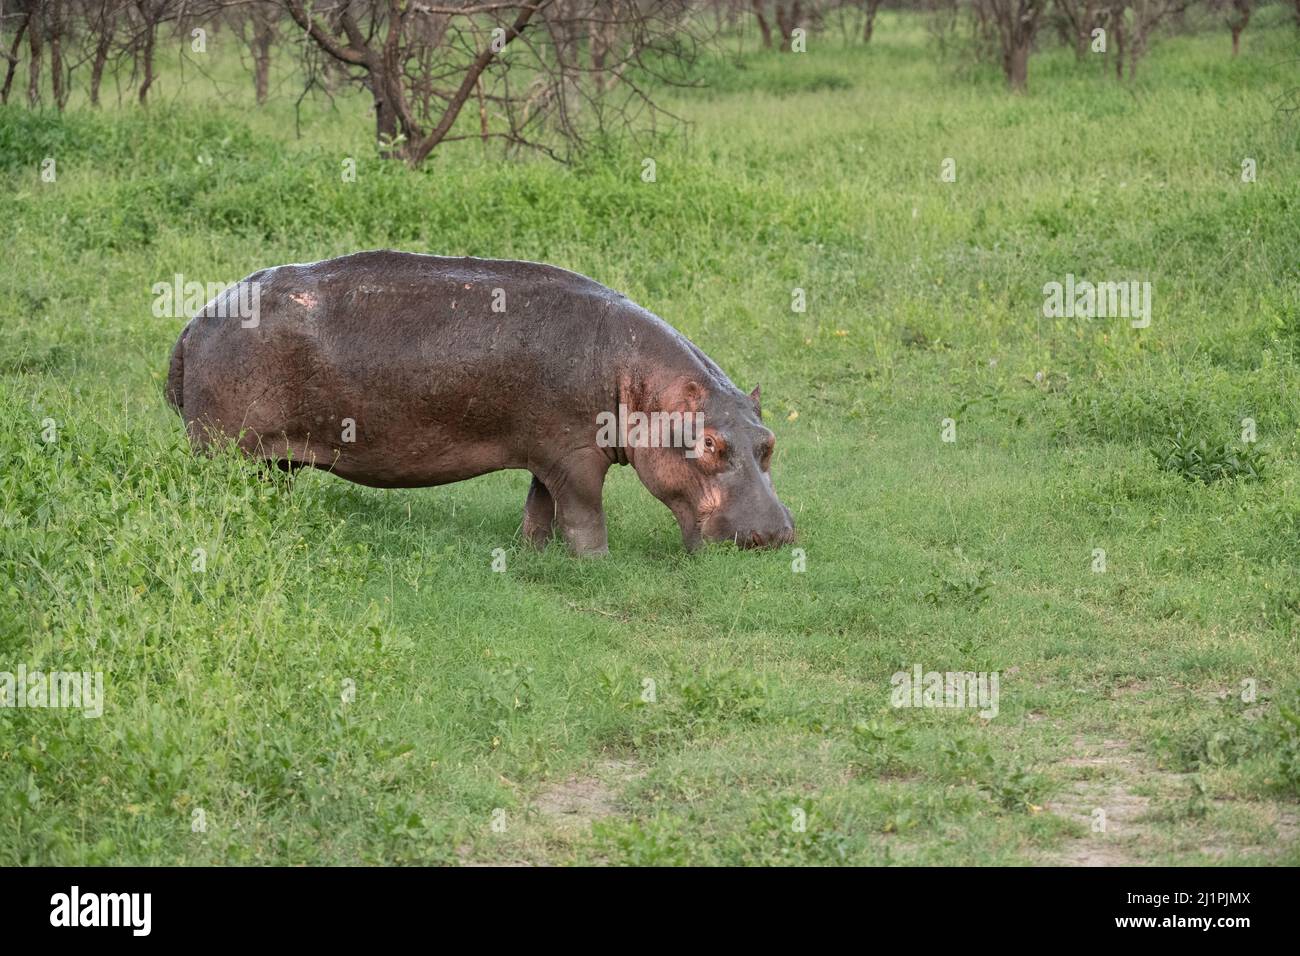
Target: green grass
(519, 696)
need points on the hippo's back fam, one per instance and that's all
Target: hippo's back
(431, 359)
(401, 296)
(439, 281)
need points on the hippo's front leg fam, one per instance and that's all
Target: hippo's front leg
(576, 485)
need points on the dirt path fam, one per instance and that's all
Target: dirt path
(1107, 805)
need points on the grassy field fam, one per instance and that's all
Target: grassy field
(348, 679)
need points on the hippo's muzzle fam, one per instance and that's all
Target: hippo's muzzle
(774, 531)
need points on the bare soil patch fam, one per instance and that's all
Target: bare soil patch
(581, 800)
(1107, 805)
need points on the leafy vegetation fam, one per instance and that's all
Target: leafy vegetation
(347, 679)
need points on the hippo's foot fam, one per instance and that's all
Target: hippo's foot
(539, 515)
(588, 544)
(584, 530)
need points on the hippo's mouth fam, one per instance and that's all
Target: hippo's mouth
(744, 537)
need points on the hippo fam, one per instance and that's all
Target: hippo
(399, 370)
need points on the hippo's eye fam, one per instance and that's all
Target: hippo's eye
(714, 445)
(765, 453)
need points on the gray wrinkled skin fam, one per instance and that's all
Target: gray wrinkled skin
(441, 388)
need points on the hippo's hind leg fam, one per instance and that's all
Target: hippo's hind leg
(279, 471)
(539, 514)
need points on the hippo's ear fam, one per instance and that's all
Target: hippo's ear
(755, 396)
(683, 395)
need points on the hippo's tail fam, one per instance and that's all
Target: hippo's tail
(175, 389)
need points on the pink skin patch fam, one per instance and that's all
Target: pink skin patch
(304, 299)
(710, 501)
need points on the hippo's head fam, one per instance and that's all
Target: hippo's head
(719, 488)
